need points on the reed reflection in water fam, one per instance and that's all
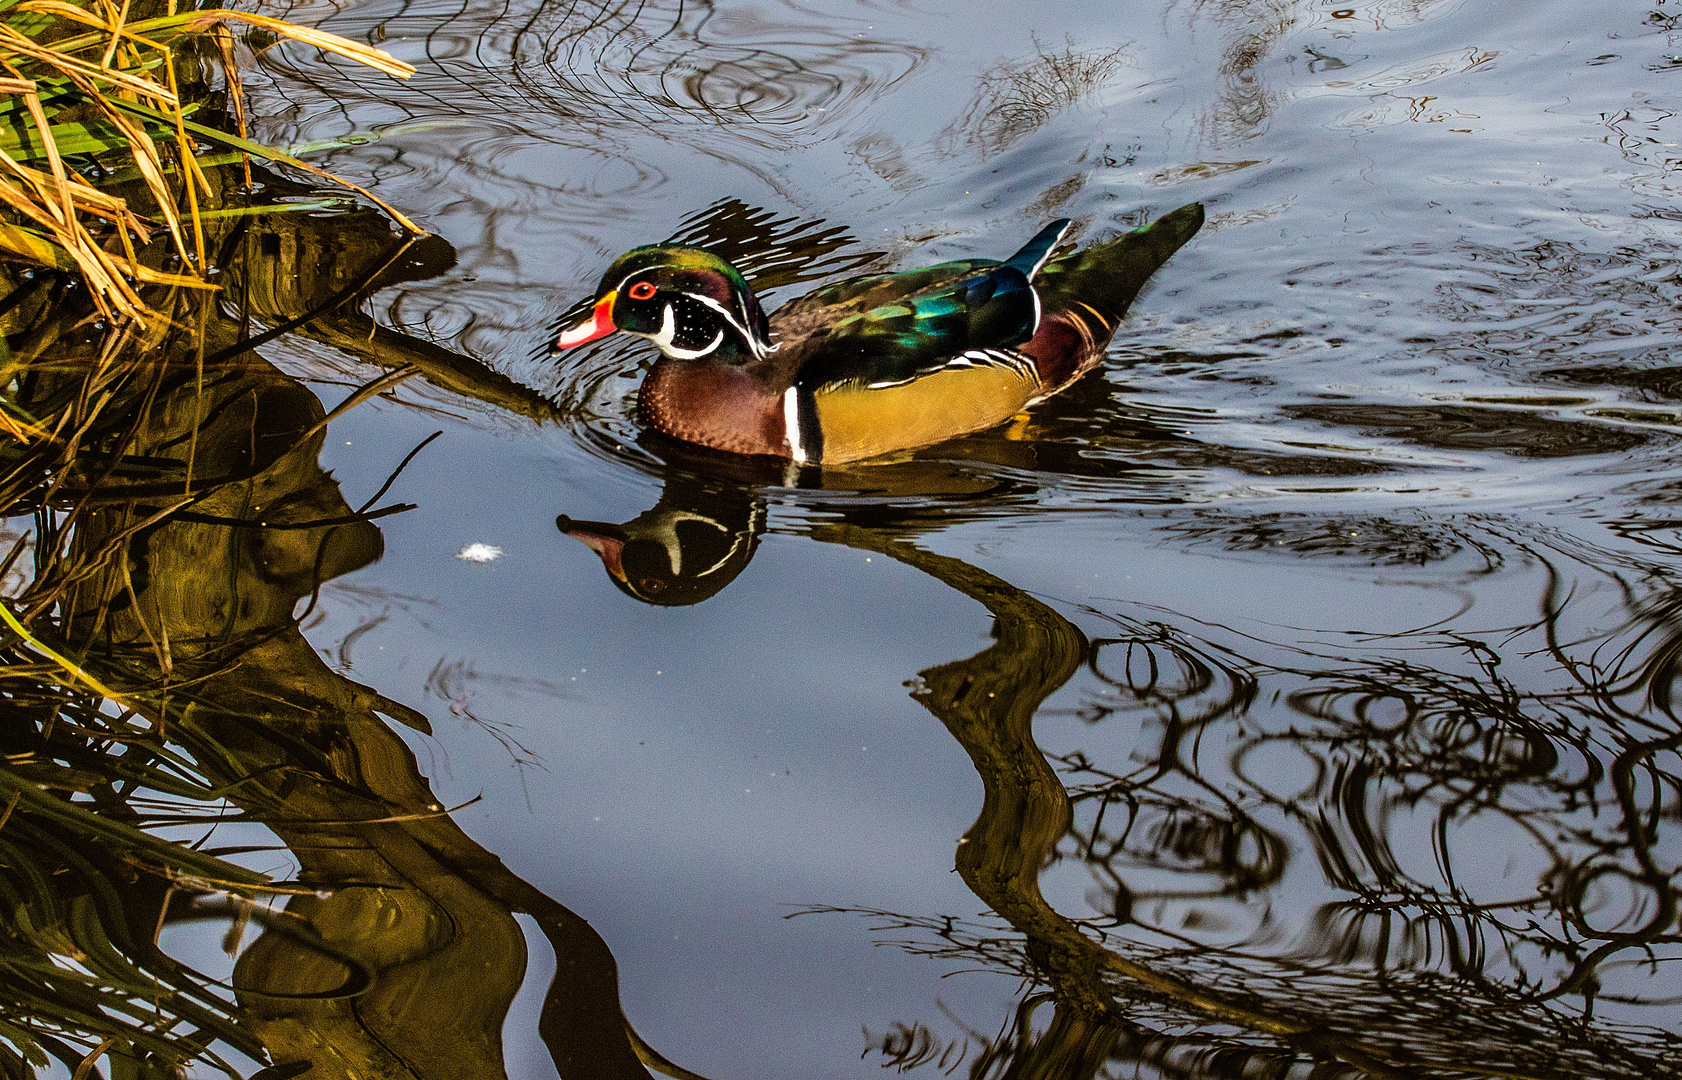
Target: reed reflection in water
(179, 541)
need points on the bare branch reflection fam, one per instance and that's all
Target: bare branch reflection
(1259, 896)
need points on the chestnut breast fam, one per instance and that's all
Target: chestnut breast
(721, 407)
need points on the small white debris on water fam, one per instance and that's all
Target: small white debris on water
(480, 553)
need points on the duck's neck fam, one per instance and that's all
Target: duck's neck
(720, 405)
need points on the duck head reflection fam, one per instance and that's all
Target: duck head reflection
(706, 526)
(691, 544)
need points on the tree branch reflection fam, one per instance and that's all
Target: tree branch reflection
(1256, 752)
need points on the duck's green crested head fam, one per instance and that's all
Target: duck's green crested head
(688, 301)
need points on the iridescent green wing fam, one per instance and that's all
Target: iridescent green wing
(873, 290)
(915, 333)
(898, 328)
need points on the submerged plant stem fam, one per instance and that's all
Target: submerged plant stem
(74, 670)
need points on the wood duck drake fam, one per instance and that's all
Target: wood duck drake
(877, 363)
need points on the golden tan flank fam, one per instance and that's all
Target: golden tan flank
(859, 422)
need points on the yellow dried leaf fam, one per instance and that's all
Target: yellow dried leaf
(378, 59)
(35, 248)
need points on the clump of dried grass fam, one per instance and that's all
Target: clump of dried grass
(88, 91)
(103, 176)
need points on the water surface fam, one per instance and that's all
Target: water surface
(1330, 629)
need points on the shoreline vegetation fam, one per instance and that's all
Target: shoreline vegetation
(166, 517)
(103, 152)
(129, 194)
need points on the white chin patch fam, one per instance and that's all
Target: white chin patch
(668, 331)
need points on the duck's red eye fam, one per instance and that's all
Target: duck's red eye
(642, 290)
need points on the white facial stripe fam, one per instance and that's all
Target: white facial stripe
(667, 535)
(735, 546)
(695, 354)
(663, 339)
(758, 347)
(674, 550)
(791, 422)
(668, 331)
(736, 542)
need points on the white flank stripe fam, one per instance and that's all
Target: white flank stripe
(791, 424)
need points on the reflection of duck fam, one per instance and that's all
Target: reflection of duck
(705, 527)
(877, 363)
(682, 551)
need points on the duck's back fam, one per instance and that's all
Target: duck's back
(889, 361)
(807, 320)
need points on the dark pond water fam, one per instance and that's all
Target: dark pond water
(1328, 634)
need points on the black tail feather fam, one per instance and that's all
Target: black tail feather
(1104, 279)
